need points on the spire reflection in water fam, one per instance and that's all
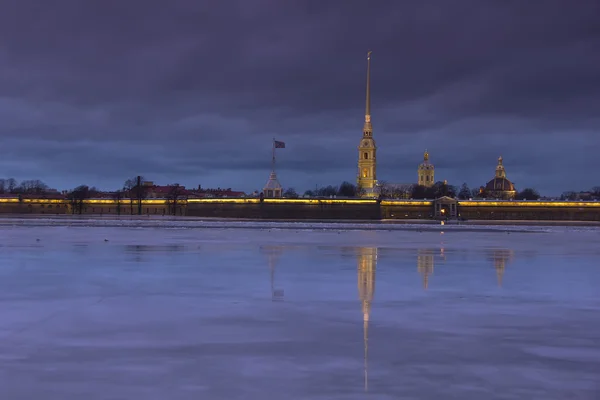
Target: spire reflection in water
(273, 254)
(367, 263)
(425, 263)
(501, 258)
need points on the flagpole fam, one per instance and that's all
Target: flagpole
(273, 159)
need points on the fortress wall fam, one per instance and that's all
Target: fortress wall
(123, 207)
(90, 206)
(532, 211)
(350, 209)
(32, 206)
(271, 209)
(406, 209)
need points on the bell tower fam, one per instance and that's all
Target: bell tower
(426, 172)
(367, 151)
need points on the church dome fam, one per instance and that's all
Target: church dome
(500, 185)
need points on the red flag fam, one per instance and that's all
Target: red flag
(279, 145)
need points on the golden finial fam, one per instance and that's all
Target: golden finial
(426, 156)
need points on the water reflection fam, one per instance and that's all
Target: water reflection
(143, 248)
(367, 263)
(273, 254)
(425, 263)
(501, 258)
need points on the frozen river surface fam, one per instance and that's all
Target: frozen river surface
(192, 310)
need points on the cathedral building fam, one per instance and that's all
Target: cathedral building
(500, 187)
(367, 151)
(426, 172)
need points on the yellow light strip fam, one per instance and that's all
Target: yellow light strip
(127, 201)
(43, 201)
(283, 201)
(223, 200)
(411, 203)
(406, 203)
(532, 203)
(321, 201)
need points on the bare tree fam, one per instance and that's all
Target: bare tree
(174, 195)
(11, 185)
(528, 194)
(118, 197)
(2, 186)
(384, 189)
(77, 196)
(327, 191)
(136, 192)
(33, 186)
(347, 189)
(465, 192)
(128, 190)
(290, 193)
(402, 191)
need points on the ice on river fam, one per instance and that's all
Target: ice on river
(183, 309)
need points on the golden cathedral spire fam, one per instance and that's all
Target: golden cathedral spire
(368, 127)
(367, 150)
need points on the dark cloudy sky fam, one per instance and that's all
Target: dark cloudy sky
(193, 91)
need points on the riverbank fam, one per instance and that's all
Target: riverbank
(82, 219)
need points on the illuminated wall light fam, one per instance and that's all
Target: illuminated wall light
(397, 203)
(526, 204)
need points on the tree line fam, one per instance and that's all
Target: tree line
(417, 192)
(129, 197)
(12, 186)
(592, 194)
(134, 191)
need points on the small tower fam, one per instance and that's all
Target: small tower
(500, 172)
(426, 172)
(367, 263)
(367, 151)
(273, 188)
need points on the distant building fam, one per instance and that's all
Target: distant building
(217, 193)
(500, 187)
(426, 172)
(163, 192)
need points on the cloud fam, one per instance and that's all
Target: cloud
(193, 92)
